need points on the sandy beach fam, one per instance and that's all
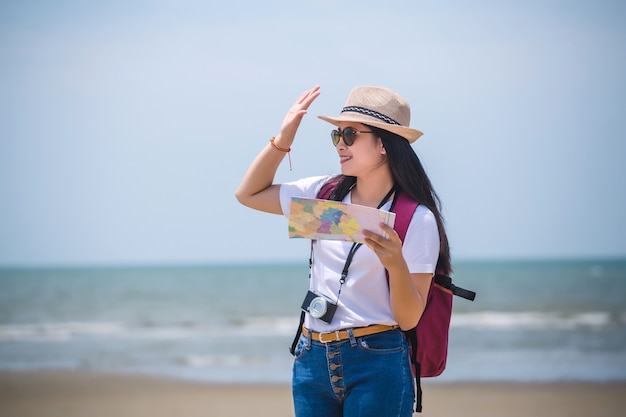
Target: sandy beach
(81, 394)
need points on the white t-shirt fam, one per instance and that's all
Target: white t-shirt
(364, 298)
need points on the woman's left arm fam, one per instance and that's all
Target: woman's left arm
(408, 292)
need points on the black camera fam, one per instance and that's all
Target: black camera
(319, 307)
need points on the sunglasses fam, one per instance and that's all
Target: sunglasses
(348, 135)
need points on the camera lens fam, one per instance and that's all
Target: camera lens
(317, 308)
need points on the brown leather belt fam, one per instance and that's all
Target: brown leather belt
(338, 335)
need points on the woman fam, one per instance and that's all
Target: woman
(356, 362)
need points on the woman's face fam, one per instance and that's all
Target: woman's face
(365, 155)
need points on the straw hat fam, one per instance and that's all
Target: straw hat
(379, 107)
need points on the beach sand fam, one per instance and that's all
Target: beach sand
(82, 394)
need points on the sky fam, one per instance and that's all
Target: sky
(126, 126)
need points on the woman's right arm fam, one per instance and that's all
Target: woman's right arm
(257, 189)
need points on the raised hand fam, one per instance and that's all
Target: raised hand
(257, 189)
(292, 119)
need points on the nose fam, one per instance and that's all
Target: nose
(341, 144)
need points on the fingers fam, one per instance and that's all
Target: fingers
(308, 97)
(391, 233)
(385, 248)
(305, 95)
(379, 243)
(292, 119)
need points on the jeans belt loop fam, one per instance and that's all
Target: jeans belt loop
(352, 338)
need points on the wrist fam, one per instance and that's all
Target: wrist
(278, 146)
(281, 149)
(398, 269)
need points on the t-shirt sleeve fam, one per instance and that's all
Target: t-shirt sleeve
(421, 244)
(305, 187)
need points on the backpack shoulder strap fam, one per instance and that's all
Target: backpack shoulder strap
(327, 189)
(404, 207)
(446, 282)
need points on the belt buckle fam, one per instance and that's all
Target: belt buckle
(335, 334)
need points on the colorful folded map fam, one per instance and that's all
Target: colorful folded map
(326, 219)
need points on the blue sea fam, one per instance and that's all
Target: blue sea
(531, 321)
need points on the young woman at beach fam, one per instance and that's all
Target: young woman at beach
(356, 362)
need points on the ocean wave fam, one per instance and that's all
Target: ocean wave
(208, 361)
(64, 331)
(56, 331)
(278, 326)
(538, 320)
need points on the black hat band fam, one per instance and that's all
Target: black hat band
(368, 112)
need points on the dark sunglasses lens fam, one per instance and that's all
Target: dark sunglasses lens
(348, 136)
(335, 136)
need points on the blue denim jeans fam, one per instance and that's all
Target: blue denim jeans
(365, 376)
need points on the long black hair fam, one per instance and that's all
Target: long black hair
(409, 176)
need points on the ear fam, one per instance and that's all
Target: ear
(383, 151)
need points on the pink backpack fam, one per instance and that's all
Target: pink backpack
(428, 341)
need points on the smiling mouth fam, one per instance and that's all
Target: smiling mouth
(343, 159)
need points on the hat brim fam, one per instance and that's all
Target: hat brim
(406, 132)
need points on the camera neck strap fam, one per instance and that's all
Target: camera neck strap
(356, 246)
(344, 273)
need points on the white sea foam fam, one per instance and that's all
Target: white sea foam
(267, 325)
(208, 361)
(44, 332)
(532, 320)
(271, 326)
(58, 331)
(65, 331)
